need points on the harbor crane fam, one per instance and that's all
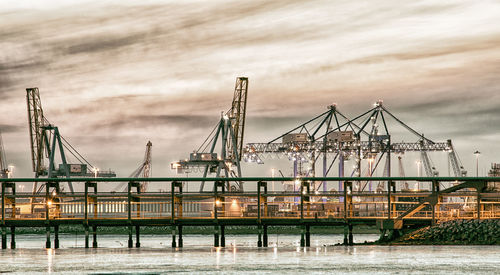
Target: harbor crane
(144, 170)
(45, 140)
(366, 139)
(228, 136)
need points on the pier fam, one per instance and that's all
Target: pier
(391, 210)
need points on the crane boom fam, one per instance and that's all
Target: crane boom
(36, 121)
(238, 112)
(458, 168)
(4, 170)
(146, 166)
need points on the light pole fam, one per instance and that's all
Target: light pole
(477, 153)
(419, 173)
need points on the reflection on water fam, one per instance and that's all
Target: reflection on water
(284, 256)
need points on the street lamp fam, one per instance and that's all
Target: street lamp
(477, 153)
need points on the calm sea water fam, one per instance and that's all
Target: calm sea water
(242, 256)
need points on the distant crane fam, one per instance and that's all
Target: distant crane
(143, 170)
(45, 140)
(4, 169)
(229, 132)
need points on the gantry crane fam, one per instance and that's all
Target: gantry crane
(45, 140)
(228, 134)
(365, 137)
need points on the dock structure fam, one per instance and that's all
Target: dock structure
(391, 210)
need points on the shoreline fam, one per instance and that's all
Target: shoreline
(457, 232)
(198, 230)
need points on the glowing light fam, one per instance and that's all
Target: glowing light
(49, 203)
(217, 202)
(235, 202)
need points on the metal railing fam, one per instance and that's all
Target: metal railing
(306, 202)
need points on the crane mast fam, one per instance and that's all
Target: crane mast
(238, 112)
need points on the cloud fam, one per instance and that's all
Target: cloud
(7, 128)
(120, 73)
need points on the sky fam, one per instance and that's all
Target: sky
(114, 74)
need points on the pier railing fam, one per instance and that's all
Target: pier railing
(304, 201)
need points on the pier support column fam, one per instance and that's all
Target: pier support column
(351, 241)
(174, 244)
(259, 240)
(47, 232)
(222, 236)
(308, 236)
(346, 239)
(12, 237)
(130, 241)
(216, 236)
(137, 236)
(4, 238)
(265, 236)
(87, 236)
(56, 236)
(302, 235)
(180, 241)
(94, 236)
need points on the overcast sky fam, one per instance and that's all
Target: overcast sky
(113, 75)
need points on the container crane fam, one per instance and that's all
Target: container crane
(45, 140)
(365, 137)
(229, 134)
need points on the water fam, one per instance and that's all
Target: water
(241, 255)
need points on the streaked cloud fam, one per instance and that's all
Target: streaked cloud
(118, 73)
